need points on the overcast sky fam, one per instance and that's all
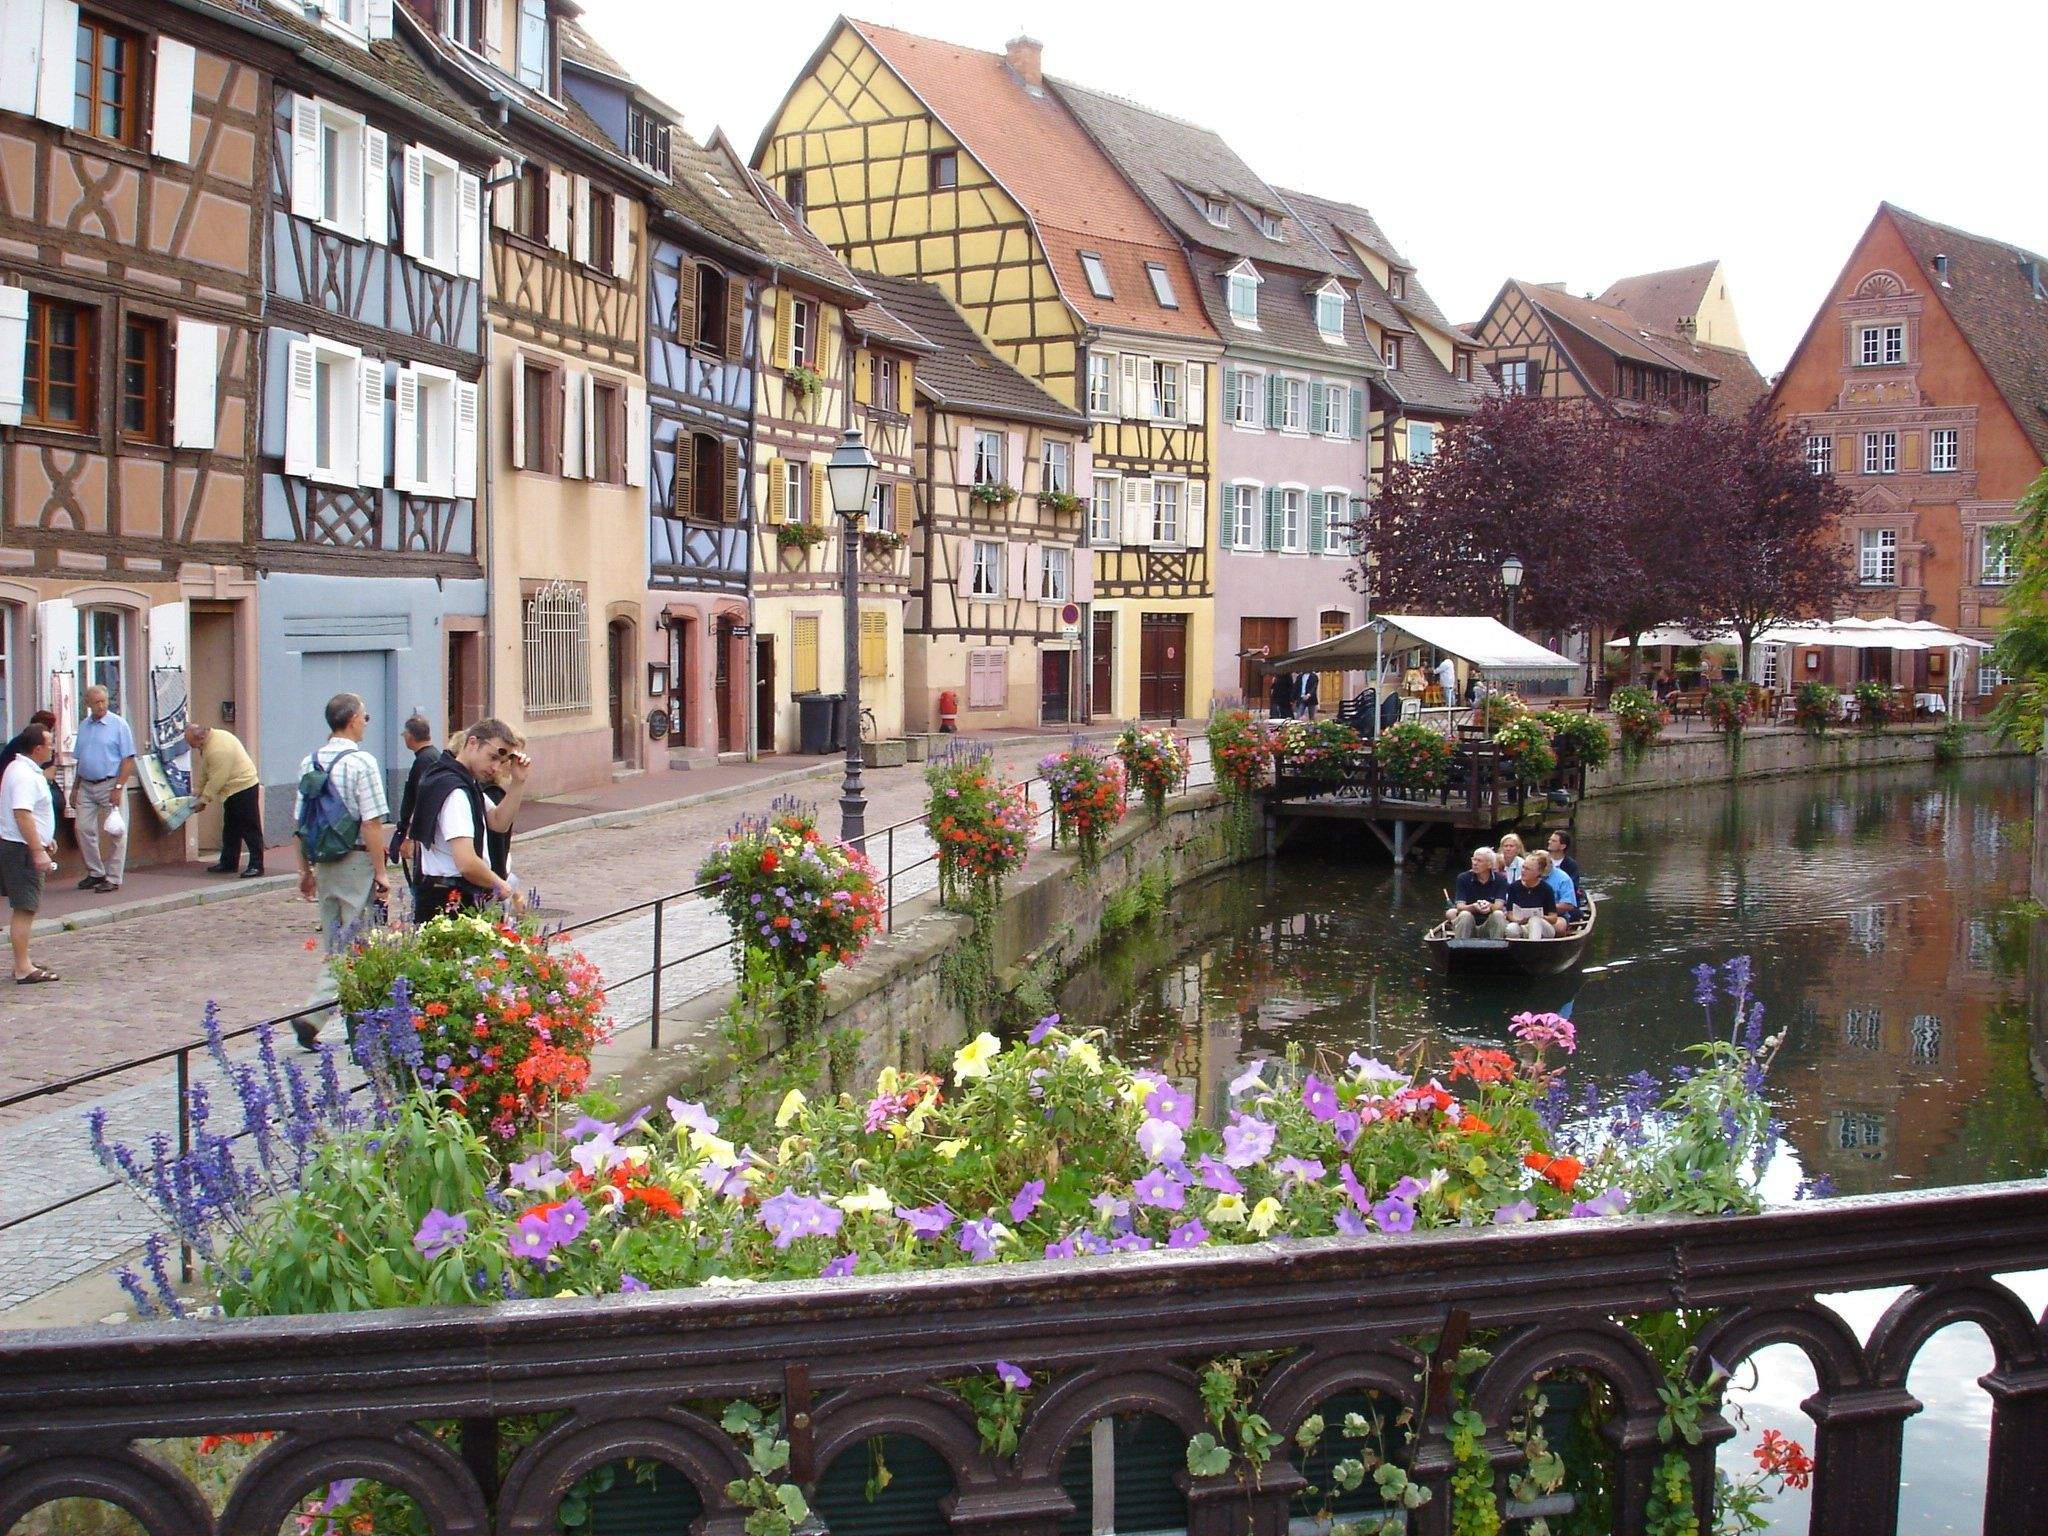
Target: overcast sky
(1579, 142)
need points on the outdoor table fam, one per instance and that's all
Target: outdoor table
(1930, 703)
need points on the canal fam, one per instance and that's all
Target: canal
(1876, 909)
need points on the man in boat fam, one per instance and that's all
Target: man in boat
(1560, 846)
(1480, 908)
(1532, 903)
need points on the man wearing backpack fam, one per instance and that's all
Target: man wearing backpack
(338, 830)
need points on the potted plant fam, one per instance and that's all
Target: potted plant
(1817, 707)
(1412, 756)
(1578, 738)
(992, 494)
(980, 823)
(880, 541)
(800, 536)
(1155, 761)
(1088, 800)
(1873, 704)
(1524, 742)
(1322, 749)
(804, 382)
(1727, 707)
(1060, 503)
(1497, 709)
(1640, 719)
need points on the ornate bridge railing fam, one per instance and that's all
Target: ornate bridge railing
(851, 1360)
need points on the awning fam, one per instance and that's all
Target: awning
(1674, 634)
(1498, 652)
(1873, 635)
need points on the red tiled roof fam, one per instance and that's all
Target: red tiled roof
(1659, 300)
(1616, 331)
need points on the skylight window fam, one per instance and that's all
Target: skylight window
(1098, 275)
(1162, 285)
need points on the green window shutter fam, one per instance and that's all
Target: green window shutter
(1358, 413)
(1273, 407)
(1316, 506)
(1317, 394)
(1229, 394)
(1275, 536)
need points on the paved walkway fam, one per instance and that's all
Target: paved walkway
(146, 981)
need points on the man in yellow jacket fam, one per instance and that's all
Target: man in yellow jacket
(221, 770)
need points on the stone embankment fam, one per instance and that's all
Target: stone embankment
(1705, 757)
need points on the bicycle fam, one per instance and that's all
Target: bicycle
(869, 730)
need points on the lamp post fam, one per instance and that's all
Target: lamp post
(1511, 578)
(850, 473)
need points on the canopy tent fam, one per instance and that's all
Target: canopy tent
(1674, 634)
(1497, 651)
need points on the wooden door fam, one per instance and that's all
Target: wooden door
(1055, 687)
(1163, 666)
(618, 659)
(1274, 637)
(1102, 685)
(465, 679)
(764, 695)
(721, 684)
(211, 667)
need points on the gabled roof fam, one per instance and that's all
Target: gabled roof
(1742, 384)
(1659, 300)
(1994, 305)
(964, 374)
(1614, 331)
(1334, 223)
(1037, 151)
(786, 238)
(1287, 314)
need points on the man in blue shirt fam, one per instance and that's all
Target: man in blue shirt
(1561, 858)
(103, 755)
(1480, 905)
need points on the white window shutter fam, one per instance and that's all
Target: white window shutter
(192, 397)
(307, 200)
(572, 424)
(1137, 529)
(1084, 467)
(380, 20)
(1016, 565)
(636, 435)
(558, 211)
(579, 226)
(963, 569)
(1013, 460)
(1196, 406)
(170, 127)
(469, 229)
(466, 405)
(300, 364)
(1196, 532)
(13, 352)
(369, 422)
(21, 23)
(622, 237)
(590, 464)
(407, 472)
(415, 202)
(965, 469)
(1034, 572)
(58, 62)
(519, 412)
(377, 185)
(1128, 405)
(504, 194)
(1084, 576)
(494, 29)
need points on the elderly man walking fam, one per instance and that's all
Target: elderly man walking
(104, 763)
(221, 770)
(338, 821)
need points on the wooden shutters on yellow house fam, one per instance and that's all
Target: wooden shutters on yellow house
(778, 482)
(904, 392)
(821, 497)
(874, 646)
(803, 648)
(784, 323)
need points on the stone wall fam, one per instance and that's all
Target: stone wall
(1705, 758)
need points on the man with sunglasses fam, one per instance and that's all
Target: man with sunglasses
(451, 822)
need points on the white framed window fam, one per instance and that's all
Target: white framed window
(442, 207)
(1166, 511)
(102, 653)
(802, 327)
(334, 413)
(1245, 408)
(796, 482)
(1165, 391)
(536, 69)
(1293, 521)
(1057, 473)
(1330, 313)
(1241, 511)
(1056, 573)
(1162, 285)
(1103, 502)
(1293, 405)
(1990, 678)
(1767, 665)
(1391, 346)
(1877, 562)
(1242, 288)
(1881, 344)
(349, 16)
(1996, 565)
(1336, 529)
(1101, 384)
(1944, 449)
(1336, 420)
(1270, 225)
(988, 457)
(1820, 453)
(424, 432)
(985, 577)
(1215, 210)
(882, 510)
(1514, 376)
(1397, 283)
(883, 391)
(1880, 453)
(1097, 274)
(1421, 441)
(339, 170)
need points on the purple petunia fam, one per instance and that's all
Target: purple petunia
(926, 1221)
(978, 1239)
(530, 1239)
(731, 1183)
(1319, 1098)
(632, 1285)
(1110, 1208)
(567, 1221)
(1408, 1188)
(1042, 1028)
(1345, 1125)
(586, 1125)
(1160, 1190)
(1013, 1377)
(1189, 1234)
(1359, 1195)
(843, 1265)
(1217, 1176)
(692, 1116)
(1609, 1202)
(1091, 1243)
(1306, 1169)
(1509, 1215)
(1130, 1242)
(1392, 1215)
(1251, 1077)
(1161, 1141)
(440, 1232)
(1065, 1248)
(1168, 1103)
(1350, 1223)
(789, 1216)
(536, 1172)
(1027, 1199)
(1246, 1140)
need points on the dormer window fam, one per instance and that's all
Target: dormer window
(1097, 275)
(1214, 210)
(1397, 283)
(536, 64)
(793, 191)
(1392, 347)
(1242, 284)
(350, 16)
(2030, 269)
(1461, 366)
(461, 21)
(1330, 313)
(1162, 285)
(647, 139)
(1270, 225)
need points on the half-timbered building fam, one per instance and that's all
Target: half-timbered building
(1290, 455)
(369, 526)
(1000, 572)
(567, 419)
(132, 145)
(1922, 386)
(1691, 306)
(919, 158)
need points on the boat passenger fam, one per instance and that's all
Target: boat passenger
(1480, 906)
(1560, 846)
(1532, 904)
(1510, 856)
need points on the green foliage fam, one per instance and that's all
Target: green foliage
(1873, 704)
(775, 1506)
(1321, 749)
(800, 536)
(2022, 652)
(1639, 717)
(992, 495)
(804, 382)
(1578, 737)
(1139, 904)
(998, 1407)
(1475, 1509)
(1728, 707)
(1949, 742)
(1497, 709)
(1412, 756)
(1524, 742)
(1818, 707)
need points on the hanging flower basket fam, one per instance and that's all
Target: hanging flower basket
(1088, 800)
(981, 824)
(1155, 762)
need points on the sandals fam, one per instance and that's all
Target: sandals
(36, 976)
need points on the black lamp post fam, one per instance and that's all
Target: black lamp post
(1511, 578)
(850, 473)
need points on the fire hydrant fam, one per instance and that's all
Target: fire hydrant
(949, 711)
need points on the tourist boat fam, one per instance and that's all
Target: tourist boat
(1510, 957)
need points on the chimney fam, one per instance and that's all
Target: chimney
(1941, 267)
(1688, 326)
(1025, 57)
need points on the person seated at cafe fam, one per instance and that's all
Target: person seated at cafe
(1560, 849)
(1479, 907)
(1509, 858)
(1532, 904)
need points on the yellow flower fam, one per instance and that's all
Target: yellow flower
(873, 1198)
(1137, 1090)
(1265, 1216)
(1228, 1211)
(1085, 1053)
(565, 1291)
(915, 1120)
(951, 1149)
(972, 1059)
(792, 1105)
(888, 1082)
(714, 1148)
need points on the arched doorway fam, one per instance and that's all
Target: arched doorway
(618, 635)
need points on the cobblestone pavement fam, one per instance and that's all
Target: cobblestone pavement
(146, 982)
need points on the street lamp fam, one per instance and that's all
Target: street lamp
(850, 473)
(1511, 578)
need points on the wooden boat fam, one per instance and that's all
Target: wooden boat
(1510, 957)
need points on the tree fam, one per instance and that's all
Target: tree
(2022, 652)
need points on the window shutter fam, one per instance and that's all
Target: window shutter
(1033, 586)
(570, 462)
(864, 381)
(963, 573)
(21, 23)
(298, 408)
(682, 485)
(1013, 466)
(1195, 530)
(781, 358)
(415, 212)
(1196, 406)
(688, 276)
(579, 226)
(467, 399)
(1275, 406)
(905, 510)
(13, 352)
(905, 388)
(59, 60)
(588, 462)
(377, 189)
(622, 238)
(964, 471)
(558, 210)
(1230, 378)
(730, 450)
(1318, 515)
(1318, 395)
(1276, 536)
(1357, 412)
(1137, 513)
(380, 20)
(778, 486)
(1084, 576)
(197, 365)
(1016, 569)
(170, 127)
(1084, 468)
(407, 472)
(1127, 404)
(494, 32)
(636, 435)
(369, 422)
(816, 510)
(504, 194)
(735, 316)
(469, 231)
(519, 412)
(306, 196)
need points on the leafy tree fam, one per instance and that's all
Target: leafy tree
(2022, 651)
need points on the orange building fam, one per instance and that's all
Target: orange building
(1922, 385)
